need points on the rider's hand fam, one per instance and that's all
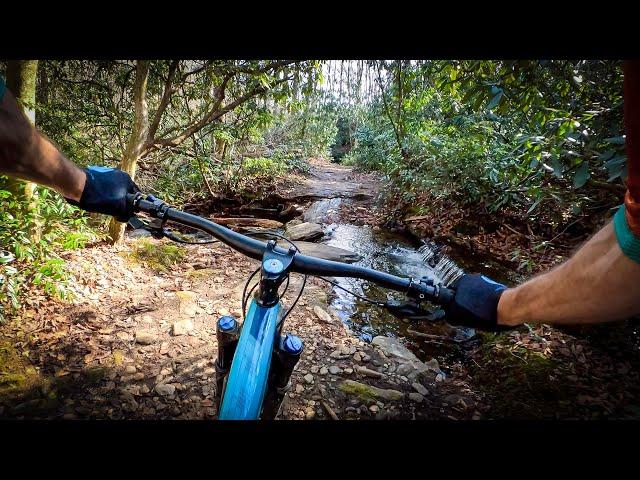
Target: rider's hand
(105, 191)
(475, 303)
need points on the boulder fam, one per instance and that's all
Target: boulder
(327, 252)
(304, 231)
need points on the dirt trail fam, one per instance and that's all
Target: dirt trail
(330, 180)
(140, 343)
(137, 343)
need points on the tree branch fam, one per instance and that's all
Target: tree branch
(164, 102)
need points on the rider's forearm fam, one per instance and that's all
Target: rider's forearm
(598, 284)
(29, 155)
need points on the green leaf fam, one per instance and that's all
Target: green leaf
(532, 207)
(615, 140)
(582, 175)
(495, 100)
(557, 166)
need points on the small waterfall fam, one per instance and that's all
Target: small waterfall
(444, 268)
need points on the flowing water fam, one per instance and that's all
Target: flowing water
(398, 255)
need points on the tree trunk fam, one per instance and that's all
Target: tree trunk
(136, 140)
(21, 80)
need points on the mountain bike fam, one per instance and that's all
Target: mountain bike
(255, 360)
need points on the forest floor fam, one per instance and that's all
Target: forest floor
(138, 342)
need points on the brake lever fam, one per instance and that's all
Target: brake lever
(156, 231)
(412, 311)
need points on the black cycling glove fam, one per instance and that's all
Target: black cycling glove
(476, 303)
(105, 191)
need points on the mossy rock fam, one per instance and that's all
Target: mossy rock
(369, 392)
(159, 256)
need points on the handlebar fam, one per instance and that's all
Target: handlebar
(301, 263)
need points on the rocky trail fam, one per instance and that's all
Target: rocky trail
(138, 340)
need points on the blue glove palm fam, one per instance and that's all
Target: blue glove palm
(105, 191)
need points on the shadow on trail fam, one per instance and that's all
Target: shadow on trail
(61, 376)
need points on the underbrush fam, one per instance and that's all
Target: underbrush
(32, 235)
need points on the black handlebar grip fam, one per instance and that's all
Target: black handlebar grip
(446, 296)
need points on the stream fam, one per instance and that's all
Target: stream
(399, 255)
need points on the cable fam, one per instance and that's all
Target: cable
(304, 279)
(244, 291)
(336, 284)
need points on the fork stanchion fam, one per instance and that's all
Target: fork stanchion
(285, 358)
(227, 333)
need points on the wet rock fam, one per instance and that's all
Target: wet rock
(165, 389)
(304, 231)
(393, 347)
(145, 338)
(418, 387)
(182, 327)
(439, 377)
(327, 252)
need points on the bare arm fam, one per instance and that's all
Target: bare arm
(598, 284)
(27, 154)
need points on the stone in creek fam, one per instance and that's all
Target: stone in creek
(393, 347)
(327, 252)
(182, 327)
(165, 389)
(304, 231)
(418, 387)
